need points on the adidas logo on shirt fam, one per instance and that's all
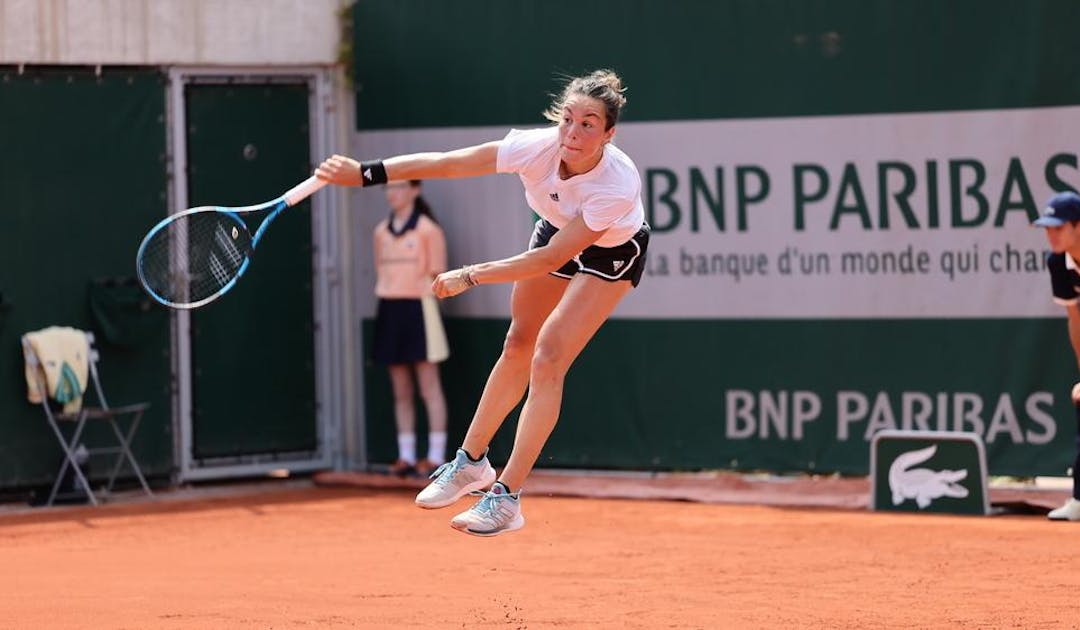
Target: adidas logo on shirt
(554, 197)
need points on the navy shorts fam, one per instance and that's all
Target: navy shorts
(408, 331)
(622, 262)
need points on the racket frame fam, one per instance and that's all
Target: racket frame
(292, 197)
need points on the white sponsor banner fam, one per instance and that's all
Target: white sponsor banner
(871, 216)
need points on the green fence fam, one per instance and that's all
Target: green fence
(428, 63)
(82, 169)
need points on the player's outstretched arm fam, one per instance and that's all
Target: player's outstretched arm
(466, 162)
(567, 243)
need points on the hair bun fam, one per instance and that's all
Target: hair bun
(610, 79)
(603, 85)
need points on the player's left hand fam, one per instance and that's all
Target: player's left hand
(450, 283)
(1076, 394)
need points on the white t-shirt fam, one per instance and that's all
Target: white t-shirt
(608, 196)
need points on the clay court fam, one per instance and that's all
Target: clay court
(355, 555)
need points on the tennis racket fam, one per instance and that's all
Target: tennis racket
(194, 257)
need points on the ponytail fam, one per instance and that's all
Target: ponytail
(421, 205)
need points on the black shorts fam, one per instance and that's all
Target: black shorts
(622, 262)
(408, 331)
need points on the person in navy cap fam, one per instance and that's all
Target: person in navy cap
(1061, 219)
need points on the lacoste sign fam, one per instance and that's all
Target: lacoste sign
(928, 471)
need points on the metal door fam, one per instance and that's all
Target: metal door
(252, 351)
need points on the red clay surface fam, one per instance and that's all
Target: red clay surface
(349, 557)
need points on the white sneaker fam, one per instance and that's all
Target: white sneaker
(455, 479)
(497, 512)
(1068, 512)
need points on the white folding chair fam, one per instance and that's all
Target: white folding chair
(103, 412)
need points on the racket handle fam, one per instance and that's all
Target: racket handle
(303, 190)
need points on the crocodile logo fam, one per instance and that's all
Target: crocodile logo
(922, 484)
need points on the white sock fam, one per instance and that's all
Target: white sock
(406, 447)
(436, 450)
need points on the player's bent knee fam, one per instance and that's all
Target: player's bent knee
(548, 362)
(518, 345)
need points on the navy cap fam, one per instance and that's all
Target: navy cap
(1061, 209)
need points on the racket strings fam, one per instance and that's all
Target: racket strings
(195, 256)
(225, 239)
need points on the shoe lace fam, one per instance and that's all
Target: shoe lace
(488, 506)
(449, 468)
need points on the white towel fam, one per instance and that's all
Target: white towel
(62, 363)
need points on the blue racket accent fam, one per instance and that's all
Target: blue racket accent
(196, 256)
(278, 208)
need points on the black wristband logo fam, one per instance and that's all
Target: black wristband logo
(372, 172)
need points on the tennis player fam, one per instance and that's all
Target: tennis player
(587, 250)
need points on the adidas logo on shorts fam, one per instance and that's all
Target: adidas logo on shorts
(617, 264)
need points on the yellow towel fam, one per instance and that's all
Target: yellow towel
(64, 363)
